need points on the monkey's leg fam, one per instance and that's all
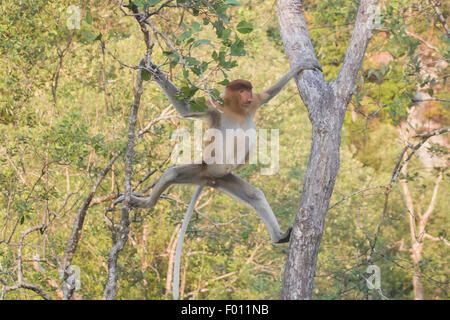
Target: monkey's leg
(253, 197)
(184, 174)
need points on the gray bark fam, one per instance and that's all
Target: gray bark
(120, 235)
(68, 282)
(326, 104)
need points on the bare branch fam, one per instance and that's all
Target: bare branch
(429, 237)
(361, 35)
(432, 133)
(19, 174)
(414, 148)
(424, 219)
(441, 17)
(355, 193)
(401, 246)
(164, 115)
(426, 43)
(20, 281)
(77, 227)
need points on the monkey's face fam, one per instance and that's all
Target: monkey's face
(245, 97)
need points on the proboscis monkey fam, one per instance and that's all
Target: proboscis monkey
(240, 106)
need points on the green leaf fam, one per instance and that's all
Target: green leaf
(99, 37)
(139, 3)
(192, 61)
(221, 10)
(174, 58)
(89, 17)
(232, 2)
(88, 35)
(145, 75)
(196, 70)
(187, 34)
(215, 93)
(225, 34)
(245, 27)
(237, 48)
(218, 25)
(199, 42)
(198, 105)
(188, 92)
(153, 3)
(224, 82)
(196, 26)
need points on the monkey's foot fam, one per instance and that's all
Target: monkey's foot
(134, 201)
(285, 237)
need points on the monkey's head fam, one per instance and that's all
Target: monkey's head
(238, 95)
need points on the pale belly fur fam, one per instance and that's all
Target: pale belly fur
(239, 138)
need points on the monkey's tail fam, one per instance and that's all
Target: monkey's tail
(187, 217)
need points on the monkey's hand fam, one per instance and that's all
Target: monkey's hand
(304, 64)
(286, 236)
(307, 64)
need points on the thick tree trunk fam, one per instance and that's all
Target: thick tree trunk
(308, 227)
(326, 104)
(417, 283)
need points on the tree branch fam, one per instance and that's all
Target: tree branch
(77, 227)
(168, 87)
(430, 237)
(120, 235)
(20, 281)
(414, 148)
(361, 35)
(441, 17)
(424, 219)
(297, 43)
(432, 133)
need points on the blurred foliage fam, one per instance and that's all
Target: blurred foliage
(56, 136)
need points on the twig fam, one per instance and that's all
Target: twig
(20, 281)
(441, 17)
(355, 193)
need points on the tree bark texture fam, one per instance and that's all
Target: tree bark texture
(326, 104)
(68, 281)
(120, 234)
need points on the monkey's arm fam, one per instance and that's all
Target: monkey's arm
(170, 90)
(271, 92)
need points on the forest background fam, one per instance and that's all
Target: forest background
(65, 97)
